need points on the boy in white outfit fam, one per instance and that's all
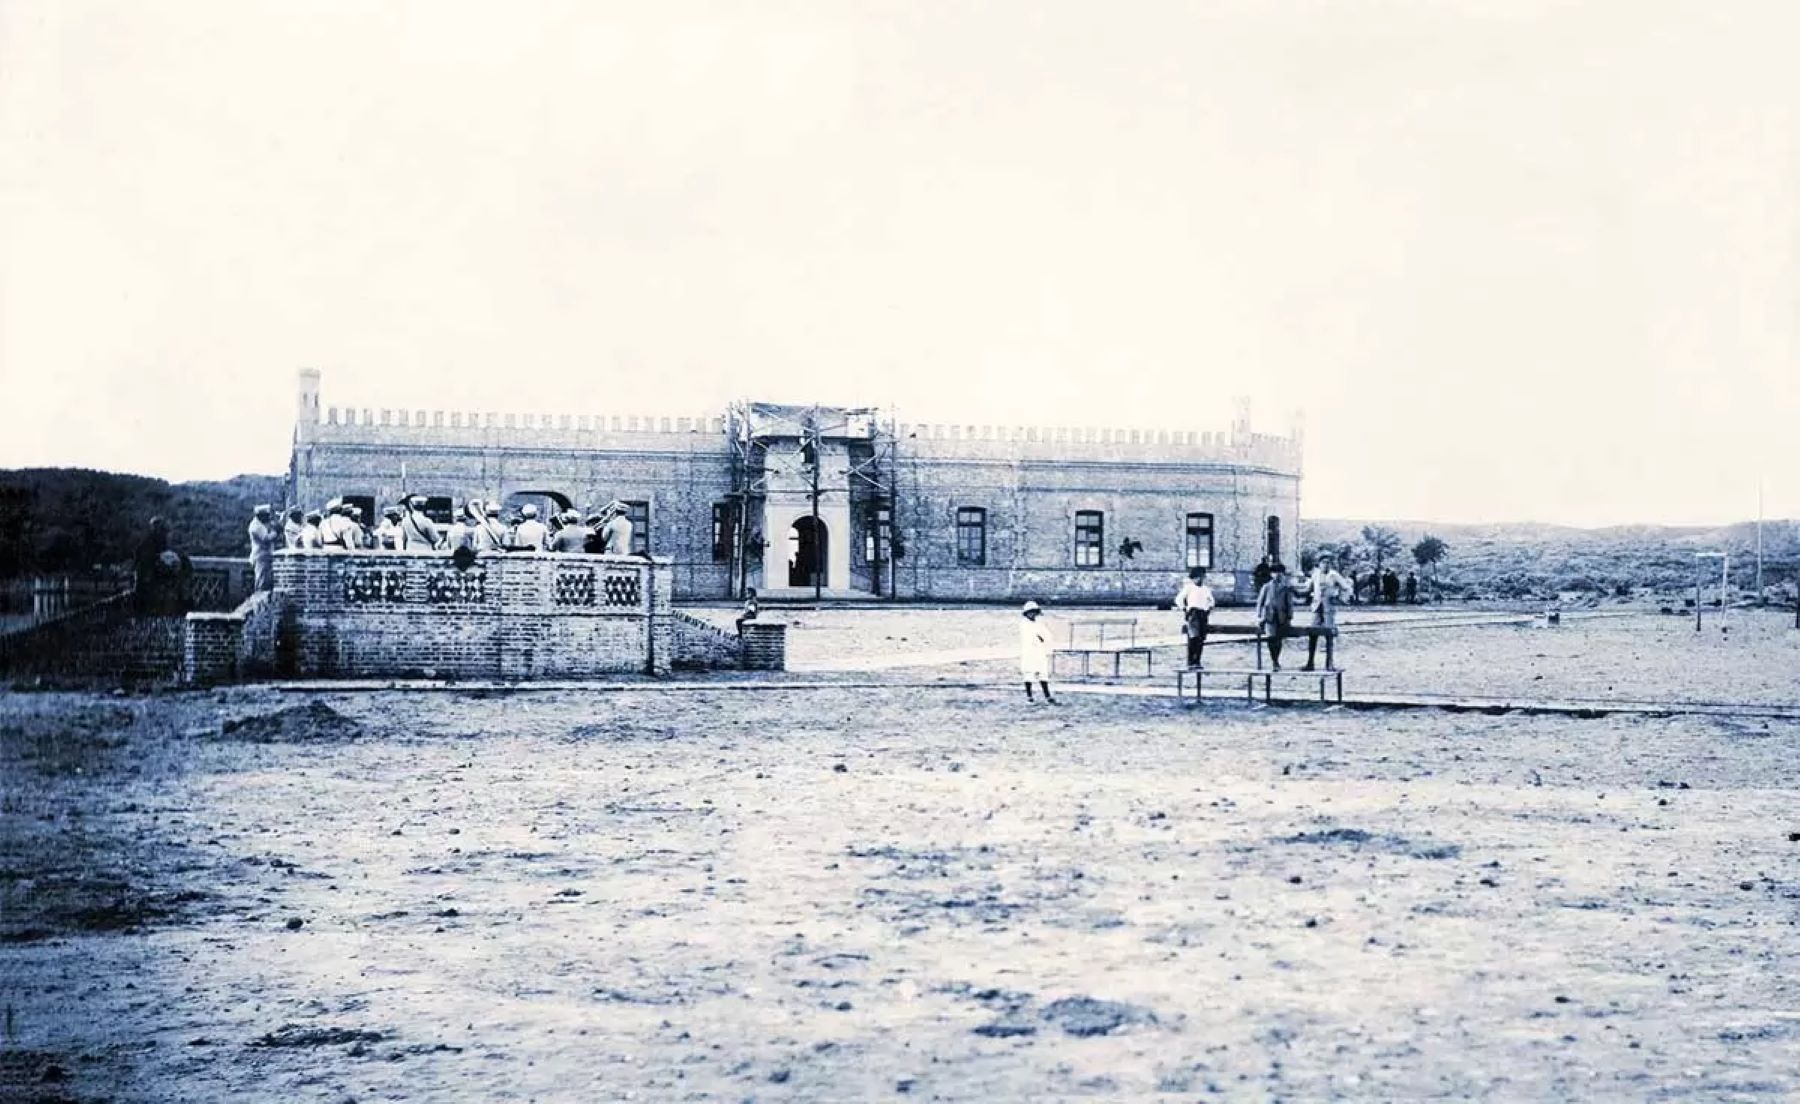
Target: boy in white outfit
(1034, 650)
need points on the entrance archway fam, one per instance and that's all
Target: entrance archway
(809, 545)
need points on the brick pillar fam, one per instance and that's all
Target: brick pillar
(765, 646)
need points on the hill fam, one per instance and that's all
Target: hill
(1529, 559)
(56, 520)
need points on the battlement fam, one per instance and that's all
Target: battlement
(377, 427)
(1075, 443)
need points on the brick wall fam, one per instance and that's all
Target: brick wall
(702, 647)
(106, 640)
(518, 616)
(1030, 480)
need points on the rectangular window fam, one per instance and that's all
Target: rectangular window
(1199, 542)
(638, 513)
(878, 531)
(971, 536)
(724, 530)
(1090, 536)
(440, 509)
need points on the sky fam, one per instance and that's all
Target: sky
(1508, 259)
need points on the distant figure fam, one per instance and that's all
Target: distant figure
(1275, 609)
(337, 530)
(489, 531)
(1034, 650)
(151, 586)
(1412, 589)
(751, 609)
(387, 534)
(571, 536)
(1195, 601)
(462, 530)
(596, 543)
(1261, 575)
(290, 531)
(531, 535)
(1390, 588)
(1323, 587)
(312, 534)
(616, 530)
(263, 537)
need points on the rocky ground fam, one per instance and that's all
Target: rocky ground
(904, 892)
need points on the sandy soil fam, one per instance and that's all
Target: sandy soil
(1617, 656)
(885, 894)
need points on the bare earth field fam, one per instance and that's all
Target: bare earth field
(915, 892)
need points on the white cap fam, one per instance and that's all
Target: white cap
(528, 510)
(1031, 607)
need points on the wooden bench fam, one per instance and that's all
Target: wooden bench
(1115, 637)
(1329, 675)
(1294, 632)
(1326, 677)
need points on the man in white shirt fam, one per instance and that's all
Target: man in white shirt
(1195, 601)
(531, 534)
(1323, 588)
(417, 531)
(490, 534)
(616, 531)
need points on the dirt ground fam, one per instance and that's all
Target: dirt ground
(1620, 655)
(908, 892)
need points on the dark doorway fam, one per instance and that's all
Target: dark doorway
(808, 543)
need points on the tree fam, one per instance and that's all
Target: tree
(1428, 552)
(1382, 543)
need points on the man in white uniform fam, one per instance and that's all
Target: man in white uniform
(531, 534)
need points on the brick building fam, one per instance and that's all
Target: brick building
(902, 511)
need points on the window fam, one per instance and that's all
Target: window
(1199, 542)
(1273, 546)
(971, 536)
(724, 530)
(638, 513)
(365, 504)
(1089, 538)
(440, 509)
(878, 531)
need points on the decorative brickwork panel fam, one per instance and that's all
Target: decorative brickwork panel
(622, 590)
(575, 588)
(363, 586)
(451, 587)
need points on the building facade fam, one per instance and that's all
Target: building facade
(843, 501)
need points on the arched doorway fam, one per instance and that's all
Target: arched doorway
(809, 543)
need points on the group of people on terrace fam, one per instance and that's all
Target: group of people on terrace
(480, 527)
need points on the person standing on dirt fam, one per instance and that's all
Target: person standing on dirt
(1323, 588)
(1412, 589)
(1034, 650)
(263, 537)
(1275, 609)
(1390, 587)
(1195, 601)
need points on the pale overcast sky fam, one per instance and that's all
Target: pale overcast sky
(1516, 259)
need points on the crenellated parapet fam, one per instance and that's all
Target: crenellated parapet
(1101, 444)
